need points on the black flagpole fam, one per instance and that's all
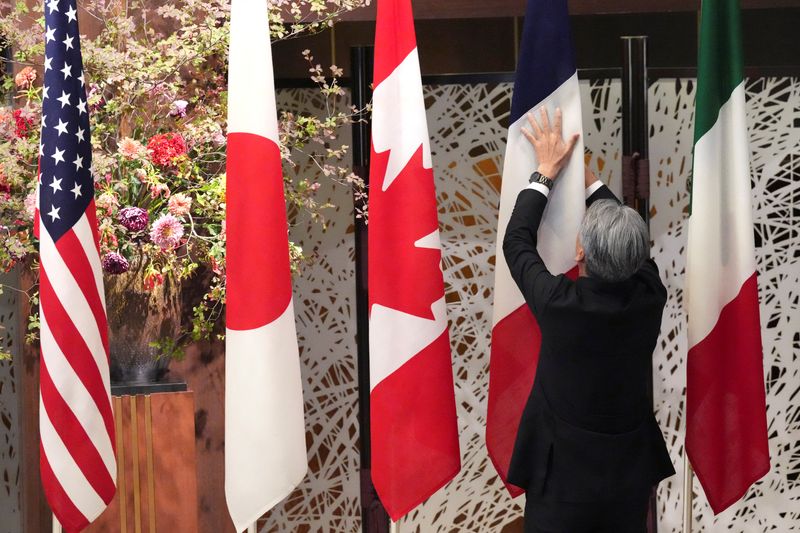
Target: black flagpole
(636, 166)
(373, 516)
(635, 128)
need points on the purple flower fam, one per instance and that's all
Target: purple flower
(178, 108)
(166, 232)
(114, 263)
(133, 218)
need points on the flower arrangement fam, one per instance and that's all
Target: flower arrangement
(156, 93)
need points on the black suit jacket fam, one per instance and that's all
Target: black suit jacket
(587, 432)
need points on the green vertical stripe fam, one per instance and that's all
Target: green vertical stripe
(720, 65)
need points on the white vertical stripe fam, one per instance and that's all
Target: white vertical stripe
(76, 396)
(86, 238)
(251, 87)
(72, 298)
(265, 447)
(566, 204)
(69, 475)
(720, 253)
(399, 122)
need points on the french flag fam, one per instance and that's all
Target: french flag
(546, 77)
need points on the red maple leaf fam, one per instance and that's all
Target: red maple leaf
(403, 276)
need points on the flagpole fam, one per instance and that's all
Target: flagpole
(636, 167)
(393, 527)
(374, 518)
(56, 525)
(688, 494)
(252, 528)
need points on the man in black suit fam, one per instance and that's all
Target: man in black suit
(588, 449)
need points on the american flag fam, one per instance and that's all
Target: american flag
(76, 424)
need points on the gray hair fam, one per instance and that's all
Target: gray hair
(614, 239)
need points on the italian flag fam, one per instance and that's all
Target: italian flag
(726, 429)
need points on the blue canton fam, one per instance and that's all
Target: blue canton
(65, 155)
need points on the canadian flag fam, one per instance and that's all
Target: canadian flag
(415, 448)
(265, 447)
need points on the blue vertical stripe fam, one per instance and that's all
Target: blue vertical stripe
(546, 58)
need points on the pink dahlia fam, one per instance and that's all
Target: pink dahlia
(131, 148)
(165, 148)
(179, 204)
(166, 232)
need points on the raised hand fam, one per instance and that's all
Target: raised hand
(552, 151)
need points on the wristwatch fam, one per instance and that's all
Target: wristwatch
(538, 177)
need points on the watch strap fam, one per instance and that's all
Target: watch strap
(538, 177)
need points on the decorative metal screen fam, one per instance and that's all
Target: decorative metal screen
(467, 126)
(773, 109)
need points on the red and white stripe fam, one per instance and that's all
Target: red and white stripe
(76, 422)
(415, 448)
(265, 451)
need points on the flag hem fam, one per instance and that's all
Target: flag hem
(447, 479)
(263, 510)
(730, 501)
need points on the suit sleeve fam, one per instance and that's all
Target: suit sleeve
(527, 268)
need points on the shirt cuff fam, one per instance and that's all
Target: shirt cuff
(591, 189)
(541, 187)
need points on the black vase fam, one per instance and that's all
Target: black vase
(137, 317)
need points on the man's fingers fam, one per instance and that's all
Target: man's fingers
(528, 135)
(545, 120)
(557, 122)
(571, 144)
(537, 130)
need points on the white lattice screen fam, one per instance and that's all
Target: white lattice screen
(467, 127)
(773, 110)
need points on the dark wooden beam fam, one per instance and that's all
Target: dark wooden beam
(452, 9)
